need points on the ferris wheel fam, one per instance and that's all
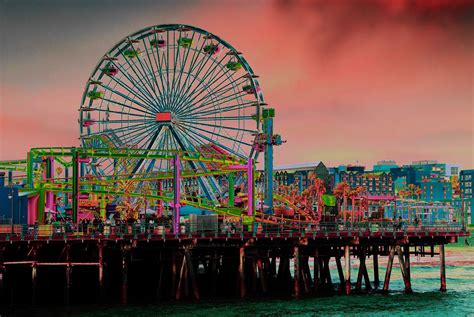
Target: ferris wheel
(168, 88)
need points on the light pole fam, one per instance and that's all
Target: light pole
(10, 197)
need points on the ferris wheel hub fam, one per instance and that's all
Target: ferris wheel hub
(163, 117)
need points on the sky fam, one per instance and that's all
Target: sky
(351, 81)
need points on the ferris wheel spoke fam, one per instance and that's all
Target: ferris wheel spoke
(240, 106)
(121, 129)
(219, 102)
(208, 103)
(139, 135)
(183, 144)
(205, 87)
(124, 71)
(152, 72)
(192, 64)
(179, 79)
(158, 69)
(216, 88)
(181, 85)
(202, 64)
(124, 105)
(176, 49)
(211, 74)
(218, 126)
(159, 62)
(198, 141)
(237, 154)
(143, 72)
(219, 90)
(230, 118)
(120, 121)
(121, 113)
(139, 77)
(216, 134)
(202, 86)
(154, 136)
(146, 73)
(221, 136)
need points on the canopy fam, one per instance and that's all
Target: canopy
(329, 200)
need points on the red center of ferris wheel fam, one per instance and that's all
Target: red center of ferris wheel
(163, 117)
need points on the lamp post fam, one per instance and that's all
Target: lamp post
(10, 197)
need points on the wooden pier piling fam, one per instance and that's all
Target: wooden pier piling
(242, 287)
(296, 257)
(388, 272)
(376, 269)
(442, 268)
(347, 257)
(124, 290)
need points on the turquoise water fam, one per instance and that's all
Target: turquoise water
(426, 300)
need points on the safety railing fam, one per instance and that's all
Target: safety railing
(227, 229)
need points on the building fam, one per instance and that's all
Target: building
(436, 190)
(375, 183)
(466, 179)
(13, 204)
(426, 212)
(385, 166)
(408, 173)
(452, 170)
(299, 174)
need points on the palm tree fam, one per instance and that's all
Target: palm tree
(353, 195)
(341, 191)
(313, 193)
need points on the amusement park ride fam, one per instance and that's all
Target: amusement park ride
(171, 116)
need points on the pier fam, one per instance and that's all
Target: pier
(133, 261)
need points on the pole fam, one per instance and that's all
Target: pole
(68, 274)
(376, 270)
(124, 276)
(33, 283)
(29, 170)
(296, 256)
(177, 193)
(316, 270)
(347, 257)
(10, 196)
(242, 272)
(75, 186)
(49, 178)
(160, 202)
(250, 187)
(268, 164)
(405, 276)
(101, 271)
(231, 190)
(389, 269)
(442, 268)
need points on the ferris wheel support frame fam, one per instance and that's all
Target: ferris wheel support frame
(268, 163)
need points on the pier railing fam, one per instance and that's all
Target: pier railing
(164, 230)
